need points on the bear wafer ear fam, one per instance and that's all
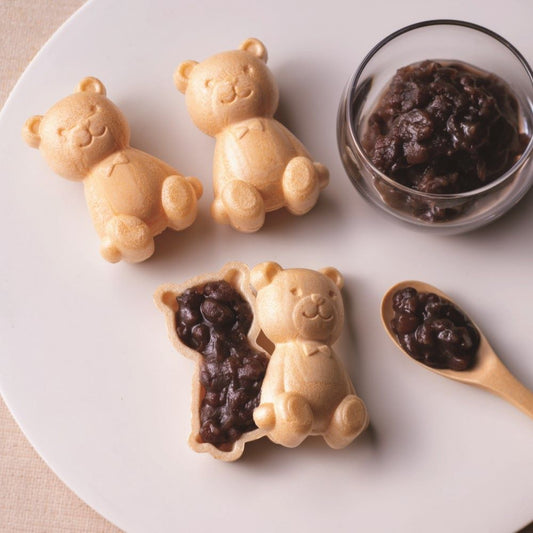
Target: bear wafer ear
(91, 85)
(263, 274)
(256, 48)
(183, 73)
(334, 275)
(30, 131)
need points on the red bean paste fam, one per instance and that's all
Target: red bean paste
(444, 128)
(433, 330)
(214, 320)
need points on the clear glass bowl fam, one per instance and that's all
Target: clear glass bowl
(439, 40)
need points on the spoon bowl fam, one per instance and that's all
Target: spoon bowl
(487, 371)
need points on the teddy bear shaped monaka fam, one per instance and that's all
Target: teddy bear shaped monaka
(131, 195)
(265, 365)
(259, 165)
(306, 389)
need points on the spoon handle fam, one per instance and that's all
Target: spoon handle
(505, 385)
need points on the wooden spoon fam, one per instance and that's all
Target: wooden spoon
(488, 372)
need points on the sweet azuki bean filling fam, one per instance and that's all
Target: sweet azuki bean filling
(433, 330)
(214, 319)
(444, 128)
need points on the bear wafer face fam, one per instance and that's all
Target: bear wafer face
(316, 315)
(79, 131)
(228, 87)
(298, 303)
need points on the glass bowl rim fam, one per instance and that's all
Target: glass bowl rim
(354, 80)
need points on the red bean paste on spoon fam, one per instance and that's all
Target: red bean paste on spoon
(432, 330)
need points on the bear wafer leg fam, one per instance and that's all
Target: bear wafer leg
(126, 237)
(301, 184)
(241, 205)
(179, 198)
(288, 420)
(349, 420)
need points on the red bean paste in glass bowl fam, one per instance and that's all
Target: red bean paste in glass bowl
(444, 128)
(214, 319)
(432, 330)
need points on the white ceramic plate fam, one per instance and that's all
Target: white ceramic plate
(86, 367)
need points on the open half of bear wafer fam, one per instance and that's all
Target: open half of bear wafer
(262, 340)
(210, 320)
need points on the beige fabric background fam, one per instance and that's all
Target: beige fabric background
(32, 498)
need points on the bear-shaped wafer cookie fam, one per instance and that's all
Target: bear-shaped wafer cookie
(241, 392)
(131, 195)
(259, 165)
(306, 390)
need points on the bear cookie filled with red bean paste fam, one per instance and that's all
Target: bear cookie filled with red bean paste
(262, 343)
